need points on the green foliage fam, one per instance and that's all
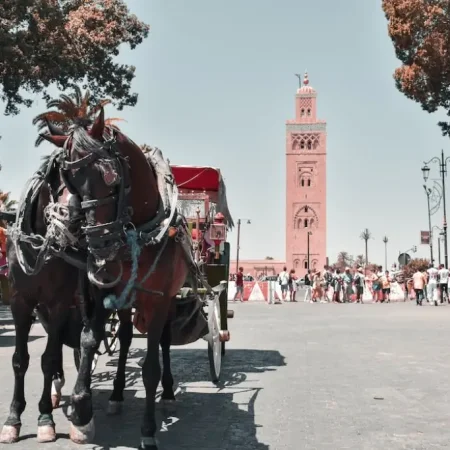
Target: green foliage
(415, 264)
(66, 42)
(420, 32)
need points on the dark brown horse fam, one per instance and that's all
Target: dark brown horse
(135, 254)
(50, 283)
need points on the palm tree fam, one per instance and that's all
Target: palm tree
(71, 109)
(6, 204)
(366, 235)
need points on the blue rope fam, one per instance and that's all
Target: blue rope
(112, 301)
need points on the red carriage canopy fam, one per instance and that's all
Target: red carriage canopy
(204, 179)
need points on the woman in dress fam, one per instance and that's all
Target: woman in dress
(318, 286)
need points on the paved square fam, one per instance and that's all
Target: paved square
(296, 376)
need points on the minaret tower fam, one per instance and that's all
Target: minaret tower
(306, 152)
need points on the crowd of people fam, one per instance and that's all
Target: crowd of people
(329, 285)
(430, 284)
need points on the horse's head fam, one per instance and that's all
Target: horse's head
(93, 168)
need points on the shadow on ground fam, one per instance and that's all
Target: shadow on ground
(212, 417)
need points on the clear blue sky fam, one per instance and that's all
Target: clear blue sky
(216, 85)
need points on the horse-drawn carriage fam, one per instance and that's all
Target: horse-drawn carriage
(153, 242)
(202, 201)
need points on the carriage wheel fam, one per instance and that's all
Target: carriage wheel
(77, 359)
(111, 333)
(214, 344)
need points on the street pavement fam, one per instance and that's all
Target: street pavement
(296, 377)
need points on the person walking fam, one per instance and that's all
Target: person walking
(292, 283)
(348, 285)
(283, 280)
(337, 285)
(239, 280)
(419, 284)
(308, 289)
(359, 281)
(386, 287)
(432, 293)
(328, 278)
(318, 287)
(443, 282)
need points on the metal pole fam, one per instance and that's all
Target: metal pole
(428, 192)
(443, 173)
(238, 241)
(385, 256)
(307, 248)
(439, 249)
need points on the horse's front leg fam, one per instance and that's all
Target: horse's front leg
(167, 378)
(23, 318)
(151, 370)
(51, 363)
(125, 335)
(58, 380)
(82, 429)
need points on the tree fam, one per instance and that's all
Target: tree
(420, 32)
(414, 265)
(344, 259)
(6, 204)
(71, 109)
(43, 42)
(269, 258)
(366, 235)
(360, 261)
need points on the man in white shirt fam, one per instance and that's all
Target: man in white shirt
(283, 279)
(432, 293)
(443, 281)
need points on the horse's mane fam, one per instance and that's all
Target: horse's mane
(83, 141)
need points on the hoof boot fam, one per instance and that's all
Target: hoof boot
(10, 434)
(83, 434)
(46, 433)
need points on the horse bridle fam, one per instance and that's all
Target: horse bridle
(113, 232)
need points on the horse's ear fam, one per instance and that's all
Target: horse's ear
(59, 141)
(54, 130)
(99, 126)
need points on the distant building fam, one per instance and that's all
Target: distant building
(306, 153)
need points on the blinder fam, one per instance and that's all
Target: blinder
(106, 239)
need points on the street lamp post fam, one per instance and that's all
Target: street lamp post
(385, 240)
(239, 240)
(428, 192)
(307, 247)
(443, 171)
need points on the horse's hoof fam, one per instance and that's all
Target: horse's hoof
(10, 434)
(56, 399)
(114, 408)
(46, 433)
(83, 434)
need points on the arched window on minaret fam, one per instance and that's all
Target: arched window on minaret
(305, 264)
(305, 223)
(308, 112)
(296, 264)
(309, 182)
(309, 145)
(303, 182)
